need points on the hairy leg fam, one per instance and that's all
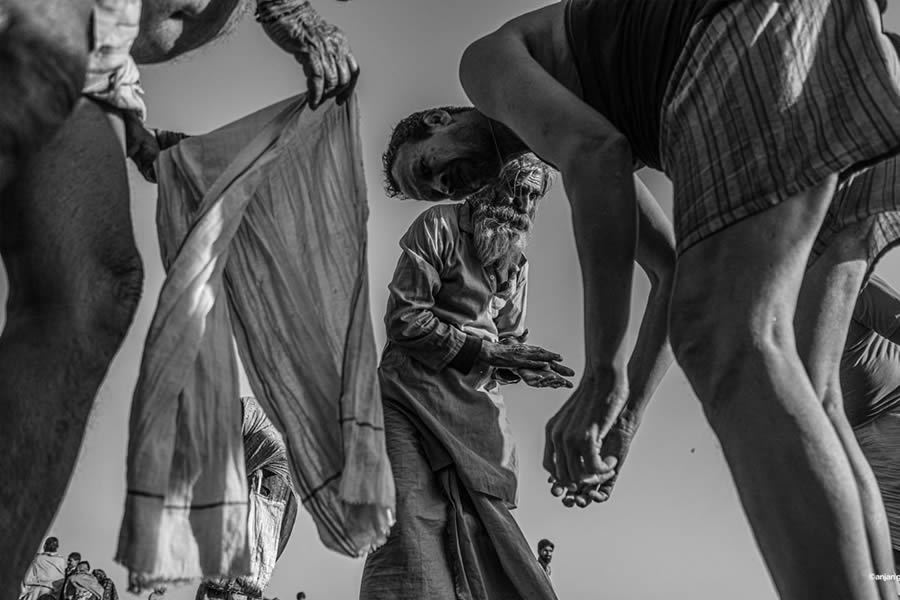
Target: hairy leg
(827, 298)
(43, 58)
(75, 279)
(732, 331)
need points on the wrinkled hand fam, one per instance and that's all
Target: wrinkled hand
(574, 435)
(552, 376)
(614, 451)
(329, 66)
(321, 48)
(522, 356)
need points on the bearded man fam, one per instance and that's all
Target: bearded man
(70, 91)
(456, 331)
(753, 108)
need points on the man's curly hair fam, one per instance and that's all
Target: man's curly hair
(410, 129)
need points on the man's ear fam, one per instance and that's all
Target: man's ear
(437, 118)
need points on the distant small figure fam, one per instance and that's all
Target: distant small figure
(71, 564)
(545, 554)
(82, 585)
(46, 573)
(109, 587)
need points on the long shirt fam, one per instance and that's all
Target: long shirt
(443, 304)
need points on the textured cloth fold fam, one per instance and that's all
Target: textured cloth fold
(112, 75)
(770, 98)
(45, 576)
(262, 228)
(450, 542)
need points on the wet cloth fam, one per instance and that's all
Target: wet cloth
(880, 443)
(769, 98)
(112, 75)
(262, 228)
(441, 297)
(449, 543)
(45, 575)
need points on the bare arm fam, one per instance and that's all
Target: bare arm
(652, 355)
(505, 82)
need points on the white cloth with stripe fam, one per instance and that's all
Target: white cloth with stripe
(262, 228)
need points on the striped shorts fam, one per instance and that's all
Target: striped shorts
(871, 192)
(770, 97)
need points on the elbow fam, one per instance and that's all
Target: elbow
(472, 68)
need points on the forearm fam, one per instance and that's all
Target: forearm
(605, 237)
(652, 354)
(292, 24)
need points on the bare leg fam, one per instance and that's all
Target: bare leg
(75, 279)
(732, 331)
(824, 310)
(43, 58)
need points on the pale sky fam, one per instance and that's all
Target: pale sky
(673, 529)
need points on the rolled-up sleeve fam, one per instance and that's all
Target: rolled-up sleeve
(410, 321)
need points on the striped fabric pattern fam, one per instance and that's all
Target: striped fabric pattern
(872, 192)
(768, 99)
(880, 442)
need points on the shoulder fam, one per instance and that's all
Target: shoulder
(439, 221)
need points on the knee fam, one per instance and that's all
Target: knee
(120, 282)
(91, 305)
(43, 60)
(719, 349)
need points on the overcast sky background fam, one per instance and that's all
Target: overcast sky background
(674, 528)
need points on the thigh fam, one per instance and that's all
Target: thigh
(65, 221)
(828, 295)
(750, 273)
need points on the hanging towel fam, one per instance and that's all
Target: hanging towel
(262, 228)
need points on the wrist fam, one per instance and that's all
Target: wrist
(485, 352)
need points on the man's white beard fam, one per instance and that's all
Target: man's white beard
(501, 230)
(498, 243)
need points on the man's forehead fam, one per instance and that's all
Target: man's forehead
(403, 170)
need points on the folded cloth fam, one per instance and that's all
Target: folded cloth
(86, 586)
(262, 229)
(112, 75)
